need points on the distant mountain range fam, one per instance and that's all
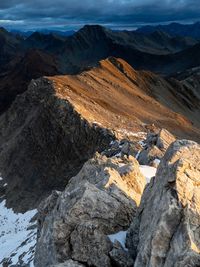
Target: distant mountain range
(157, 51)
(174, 29)
(28, 33)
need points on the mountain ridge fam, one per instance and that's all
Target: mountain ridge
(121, 78)
(84, 113)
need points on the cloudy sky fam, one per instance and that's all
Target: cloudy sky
(73, 14)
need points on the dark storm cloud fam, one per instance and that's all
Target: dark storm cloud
(30, 14)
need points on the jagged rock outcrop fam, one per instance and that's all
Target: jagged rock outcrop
(99, 201)
(155, 147)
(44, 141)
(166, 231)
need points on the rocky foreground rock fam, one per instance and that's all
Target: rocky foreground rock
(155, 147)
(101, 200)
(74, 226)
(166, 231)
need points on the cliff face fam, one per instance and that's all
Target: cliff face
(44, 142)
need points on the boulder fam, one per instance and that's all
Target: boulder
(148, 155)
(155, 148)
(69, 263)
(123, 147)
(120, 257)
(166, 231)
(164, 139)
(101, 200)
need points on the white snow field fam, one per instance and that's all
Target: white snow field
(148, 172)
(120, 237)
(15, 239)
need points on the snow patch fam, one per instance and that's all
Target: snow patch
(130, 133)
(142, 143)
(156, 162)
(15, 239)
(120, 237)
(112, 143)
(137, 155)
(119, 155)
(96, 122)
(148, 172)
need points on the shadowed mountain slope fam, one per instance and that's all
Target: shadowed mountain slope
(9, 45)
(156, 52)
(21, 70)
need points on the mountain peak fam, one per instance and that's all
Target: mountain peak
(36, 35)
(93, 29)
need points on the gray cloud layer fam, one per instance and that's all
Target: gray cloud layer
(30, 14)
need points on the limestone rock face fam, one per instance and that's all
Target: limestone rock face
(99, 201)
(166, 231)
